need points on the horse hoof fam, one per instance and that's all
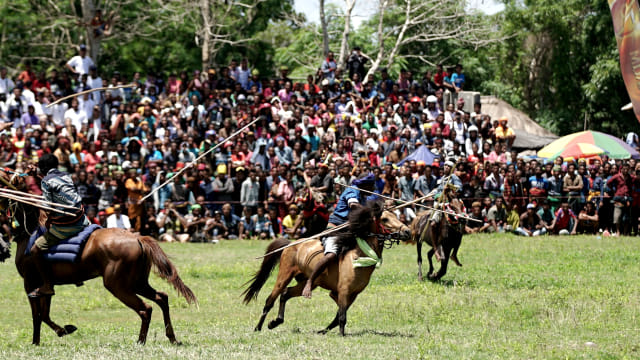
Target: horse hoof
(68, 330)
(273, 323)
(257, 328)
(322, 332)
(176, 342)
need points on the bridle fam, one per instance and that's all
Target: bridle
(385, 237)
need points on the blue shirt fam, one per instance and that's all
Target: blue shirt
(349, 196)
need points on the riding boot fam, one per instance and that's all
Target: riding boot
(44, 269)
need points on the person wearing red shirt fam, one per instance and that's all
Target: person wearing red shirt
(438, 78)
(621, 183)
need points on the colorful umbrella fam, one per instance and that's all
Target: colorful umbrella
(579, 150)
(613, 147)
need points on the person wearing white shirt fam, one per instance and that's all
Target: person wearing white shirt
(86, 104)
(77, 116)
(81, 63)
(17, 100)
(29, 95)
(6, 84)
(118, 220)
(57, 113)
(94, 81)
(243, 72)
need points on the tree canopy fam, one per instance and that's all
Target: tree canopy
(555, 60)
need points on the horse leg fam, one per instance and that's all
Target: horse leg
(344, 302)
(429, 256)
(334, 323)
(130, 299)
(284, 278)
(419, 248)
(290, 292)
(443, 267)
(36, 318)
(162, 299)
(45, 305)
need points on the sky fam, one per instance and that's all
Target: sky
(365, 8)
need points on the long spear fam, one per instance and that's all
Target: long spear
(90, 91)
(34, 197)
(404, 201)
(34, 203)
(329, 231)
(197, 159)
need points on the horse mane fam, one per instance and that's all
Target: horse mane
(359, 225)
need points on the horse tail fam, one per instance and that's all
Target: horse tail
(164, 267)
(268, 264)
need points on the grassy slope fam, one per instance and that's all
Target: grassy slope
(515, 297)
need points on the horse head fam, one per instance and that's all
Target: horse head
(24, 218)
(373, 219)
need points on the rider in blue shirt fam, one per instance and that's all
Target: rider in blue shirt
(350, 199)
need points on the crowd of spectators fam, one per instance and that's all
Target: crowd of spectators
(121, 143)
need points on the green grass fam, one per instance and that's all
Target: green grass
(515, 298)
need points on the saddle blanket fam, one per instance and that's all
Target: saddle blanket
(66, 250)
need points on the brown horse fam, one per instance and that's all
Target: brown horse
(443, 233)
(342, 279)
(121, 258)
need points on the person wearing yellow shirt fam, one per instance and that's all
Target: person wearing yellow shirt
(289, 221)
(504, 133)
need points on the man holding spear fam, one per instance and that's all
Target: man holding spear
(350, 199)
(57, 188)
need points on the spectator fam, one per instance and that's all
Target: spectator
(565, 222)
(505, 133)
(530, 223)
(81, 63)
(116, 219)
(588, 219)
(479, 223)
(497, 216)
(329, 67)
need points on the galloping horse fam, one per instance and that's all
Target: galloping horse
(121, 258)
(344, 279)
(443, 232)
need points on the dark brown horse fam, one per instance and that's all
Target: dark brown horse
(443, 233)
(121, 258)
(342, 279)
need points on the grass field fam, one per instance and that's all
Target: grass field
(515, 298)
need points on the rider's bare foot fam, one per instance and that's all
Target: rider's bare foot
(306, 292)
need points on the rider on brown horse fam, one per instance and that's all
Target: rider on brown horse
(350, 199)
(57, 187)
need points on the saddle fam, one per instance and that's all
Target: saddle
(68, 250)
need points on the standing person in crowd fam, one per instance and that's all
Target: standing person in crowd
(81, 63)
(621, 183)
(329, 67)
(136, 189)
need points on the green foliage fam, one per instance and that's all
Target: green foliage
(559, 63)
(515, 298)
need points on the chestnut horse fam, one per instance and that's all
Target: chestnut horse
(123, 260)
(344, 280)
(443, 233)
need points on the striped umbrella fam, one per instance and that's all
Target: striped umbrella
(613, 147)
(579, 150)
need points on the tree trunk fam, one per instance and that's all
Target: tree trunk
(93, 42)
(382, 4)
(325, 32)
(205, 11)
(344, 46)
